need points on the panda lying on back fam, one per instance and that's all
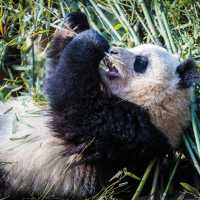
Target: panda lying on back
(100, 119)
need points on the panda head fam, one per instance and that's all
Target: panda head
(153, 78)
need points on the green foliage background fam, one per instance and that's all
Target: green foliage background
(26, 27)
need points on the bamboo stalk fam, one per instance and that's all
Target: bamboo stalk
(148, 19)
(143, 181)
(171, 177)
(146, 28)
(195, 130)
(127, 24)
(193, 145)
(103, 17)
(33, 64)
(165, 22)
(161, 26)
(195, 122)
(155, 182)
(194, 160)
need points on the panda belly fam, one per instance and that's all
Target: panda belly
(33, 160)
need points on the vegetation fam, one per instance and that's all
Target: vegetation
(25, 31)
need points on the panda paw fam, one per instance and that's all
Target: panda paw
(77, 21)
(92, 37)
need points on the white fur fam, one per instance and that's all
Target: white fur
(31, 155)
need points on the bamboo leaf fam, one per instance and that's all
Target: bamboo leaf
(190, 188)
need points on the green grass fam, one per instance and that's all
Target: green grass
(25, 31)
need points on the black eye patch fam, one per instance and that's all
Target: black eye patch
(140, 64)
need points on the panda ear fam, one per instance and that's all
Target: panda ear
(188, 73)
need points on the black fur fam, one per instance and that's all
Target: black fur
(120, 133)
(77, 21)
(188, 72)
(74, 23)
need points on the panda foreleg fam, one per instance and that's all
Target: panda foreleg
(76, 77)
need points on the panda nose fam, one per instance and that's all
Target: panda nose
(113, 51)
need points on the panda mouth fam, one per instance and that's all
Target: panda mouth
(111, 71)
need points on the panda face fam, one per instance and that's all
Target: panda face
(142, 74)
(154, 79)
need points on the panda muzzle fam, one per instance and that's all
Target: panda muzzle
(111, 72)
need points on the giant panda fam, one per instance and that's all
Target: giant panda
(109, 108)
